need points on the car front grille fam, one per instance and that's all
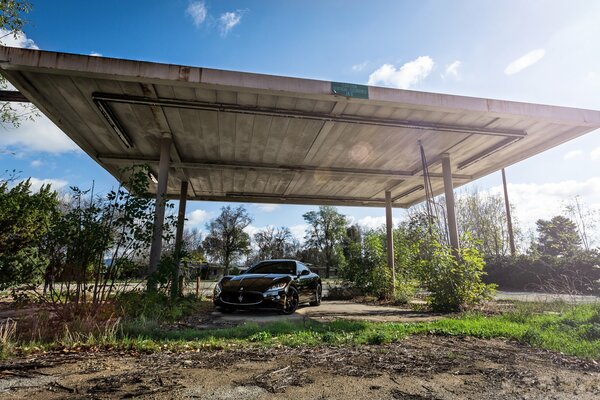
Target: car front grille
(247, 298)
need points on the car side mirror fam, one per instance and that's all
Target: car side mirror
(304, 272)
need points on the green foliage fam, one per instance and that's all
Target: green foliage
(155, 306)
(366, 265)
(11, 15)
(454, 278)
(558, 237)
(483, 216)
(12, 21)
(275, 243)
(94, 241)
(575, 274)
(327, 229)
(25, 218)
(226, 241)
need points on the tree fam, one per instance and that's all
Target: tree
(558, 237)
(483, 216)
(585, 219)
(274, 243)
(11, 23)
(327, 228)
(226, 240)
(25, 218)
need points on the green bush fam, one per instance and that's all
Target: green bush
(156, 306)
(454, 280)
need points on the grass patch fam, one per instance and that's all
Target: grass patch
(554, 326)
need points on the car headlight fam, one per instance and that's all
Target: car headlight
(277, 286)
(218, 289)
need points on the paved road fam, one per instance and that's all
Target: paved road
(327, 311)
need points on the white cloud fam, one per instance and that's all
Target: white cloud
(251, 230)
(37, 135)
(7, 38)
(228, 20)
(197, 10)
(370, 222)
(525, 61)
(534, 201)
(95, 54)
(360, 67)
(197, 218)
(595, 154)
(298, 231)
(573, 154)
(36, 163)
(404, 77)
(452, 70)
(56, 184)
(267, 207)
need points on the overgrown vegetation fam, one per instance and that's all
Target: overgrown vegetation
(553, 326)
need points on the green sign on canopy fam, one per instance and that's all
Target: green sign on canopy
(350, 90)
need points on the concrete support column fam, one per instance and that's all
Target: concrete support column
(511, 236)
(449, 194)
(389, 227)
(177, 281)
(159, 212)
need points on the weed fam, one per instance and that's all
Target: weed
(8, 331)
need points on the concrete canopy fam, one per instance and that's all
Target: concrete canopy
(269, 139)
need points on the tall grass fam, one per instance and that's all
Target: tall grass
(554, 326)
(8, 332)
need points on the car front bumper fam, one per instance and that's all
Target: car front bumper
(269, 299)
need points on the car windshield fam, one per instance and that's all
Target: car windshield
(274, 267)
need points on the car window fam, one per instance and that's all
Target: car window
(273, 267)
(302, 267)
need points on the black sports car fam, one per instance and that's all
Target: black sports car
(278, 284)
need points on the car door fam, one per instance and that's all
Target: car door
(304, 282)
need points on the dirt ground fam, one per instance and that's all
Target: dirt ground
(420, 367)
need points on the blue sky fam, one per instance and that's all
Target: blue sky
(533, 51)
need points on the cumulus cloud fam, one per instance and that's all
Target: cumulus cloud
(197, 218)
(228, 20)
(451, 70)
(298, 231)
(524, 61)
(534, 201)
(8, 38)
(573, 154)
(36, 163)
(251, 230)
(197, 11)
(404, 77)
(370, 222)
(37, 135)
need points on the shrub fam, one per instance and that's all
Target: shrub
(575, 274)
(454, 280)
(155, 306)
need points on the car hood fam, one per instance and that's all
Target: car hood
(253, 282)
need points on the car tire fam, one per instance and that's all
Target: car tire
(318, 294)
(292, 299)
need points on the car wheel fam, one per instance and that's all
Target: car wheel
(226, 310)
(291, 301)
(318, 294)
